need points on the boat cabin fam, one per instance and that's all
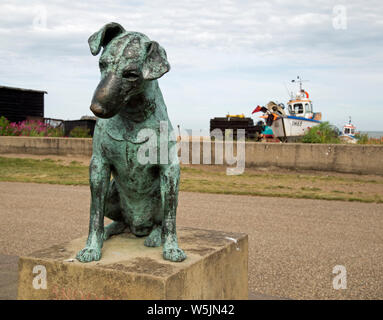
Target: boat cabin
(349, 130)
(301, 106)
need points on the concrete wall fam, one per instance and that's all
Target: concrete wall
(46, 146)
(363, 159)
(346, 158)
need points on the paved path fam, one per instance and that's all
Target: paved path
(8, 277)
(293, 244)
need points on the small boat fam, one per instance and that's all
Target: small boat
(300, 118)
(349, 133)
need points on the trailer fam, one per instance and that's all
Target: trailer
(235, 122)
(85, 123)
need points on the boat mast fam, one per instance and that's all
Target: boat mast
(300, 81)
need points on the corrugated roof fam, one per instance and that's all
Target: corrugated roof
(21, 89)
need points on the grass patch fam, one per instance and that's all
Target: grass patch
(211, 180)
(43, 171)
(338, 191)
(310, 189)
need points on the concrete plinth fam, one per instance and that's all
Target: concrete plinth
(216, 268)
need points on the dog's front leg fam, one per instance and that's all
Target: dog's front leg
(170, 175)
(99, 172)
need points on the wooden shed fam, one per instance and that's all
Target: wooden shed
(17, 104)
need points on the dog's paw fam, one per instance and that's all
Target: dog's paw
(153, 242)
(174, 254)
(154, 239)
(89, 254)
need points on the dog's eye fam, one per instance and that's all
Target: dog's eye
(130, 75)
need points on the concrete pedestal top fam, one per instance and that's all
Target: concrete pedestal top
(216, 268)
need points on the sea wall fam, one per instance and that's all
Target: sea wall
(361, 159)
(345, 158)
(46, 146)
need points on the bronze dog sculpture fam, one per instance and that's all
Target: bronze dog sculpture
(140, 197)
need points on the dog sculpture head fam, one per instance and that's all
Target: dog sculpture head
(128, 61)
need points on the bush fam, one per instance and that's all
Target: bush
(322, 133)
(80, 132)
(362, 138)
(30, 128)
(5, 129)
(55, 132)
(365, 139)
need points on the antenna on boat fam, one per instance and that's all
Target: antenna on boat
(300, 81)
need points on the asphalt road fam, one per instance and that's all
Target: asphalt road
(293, 244)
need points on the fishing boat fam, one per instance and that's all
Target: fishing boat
(349, 133)
(300, 118)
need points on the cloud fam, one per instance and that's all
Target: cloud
(248, 48)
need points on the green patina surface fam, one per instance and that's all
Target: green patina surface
(141, 197)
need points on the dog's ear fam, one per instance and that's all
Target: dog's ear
(102, 37)
(156, 63)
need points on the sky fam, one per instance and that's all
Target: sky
(226, 56)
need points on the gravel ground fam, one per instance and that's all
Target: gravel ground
(293, 244)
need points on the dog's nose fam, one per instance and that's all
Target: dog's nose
(96, 109)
